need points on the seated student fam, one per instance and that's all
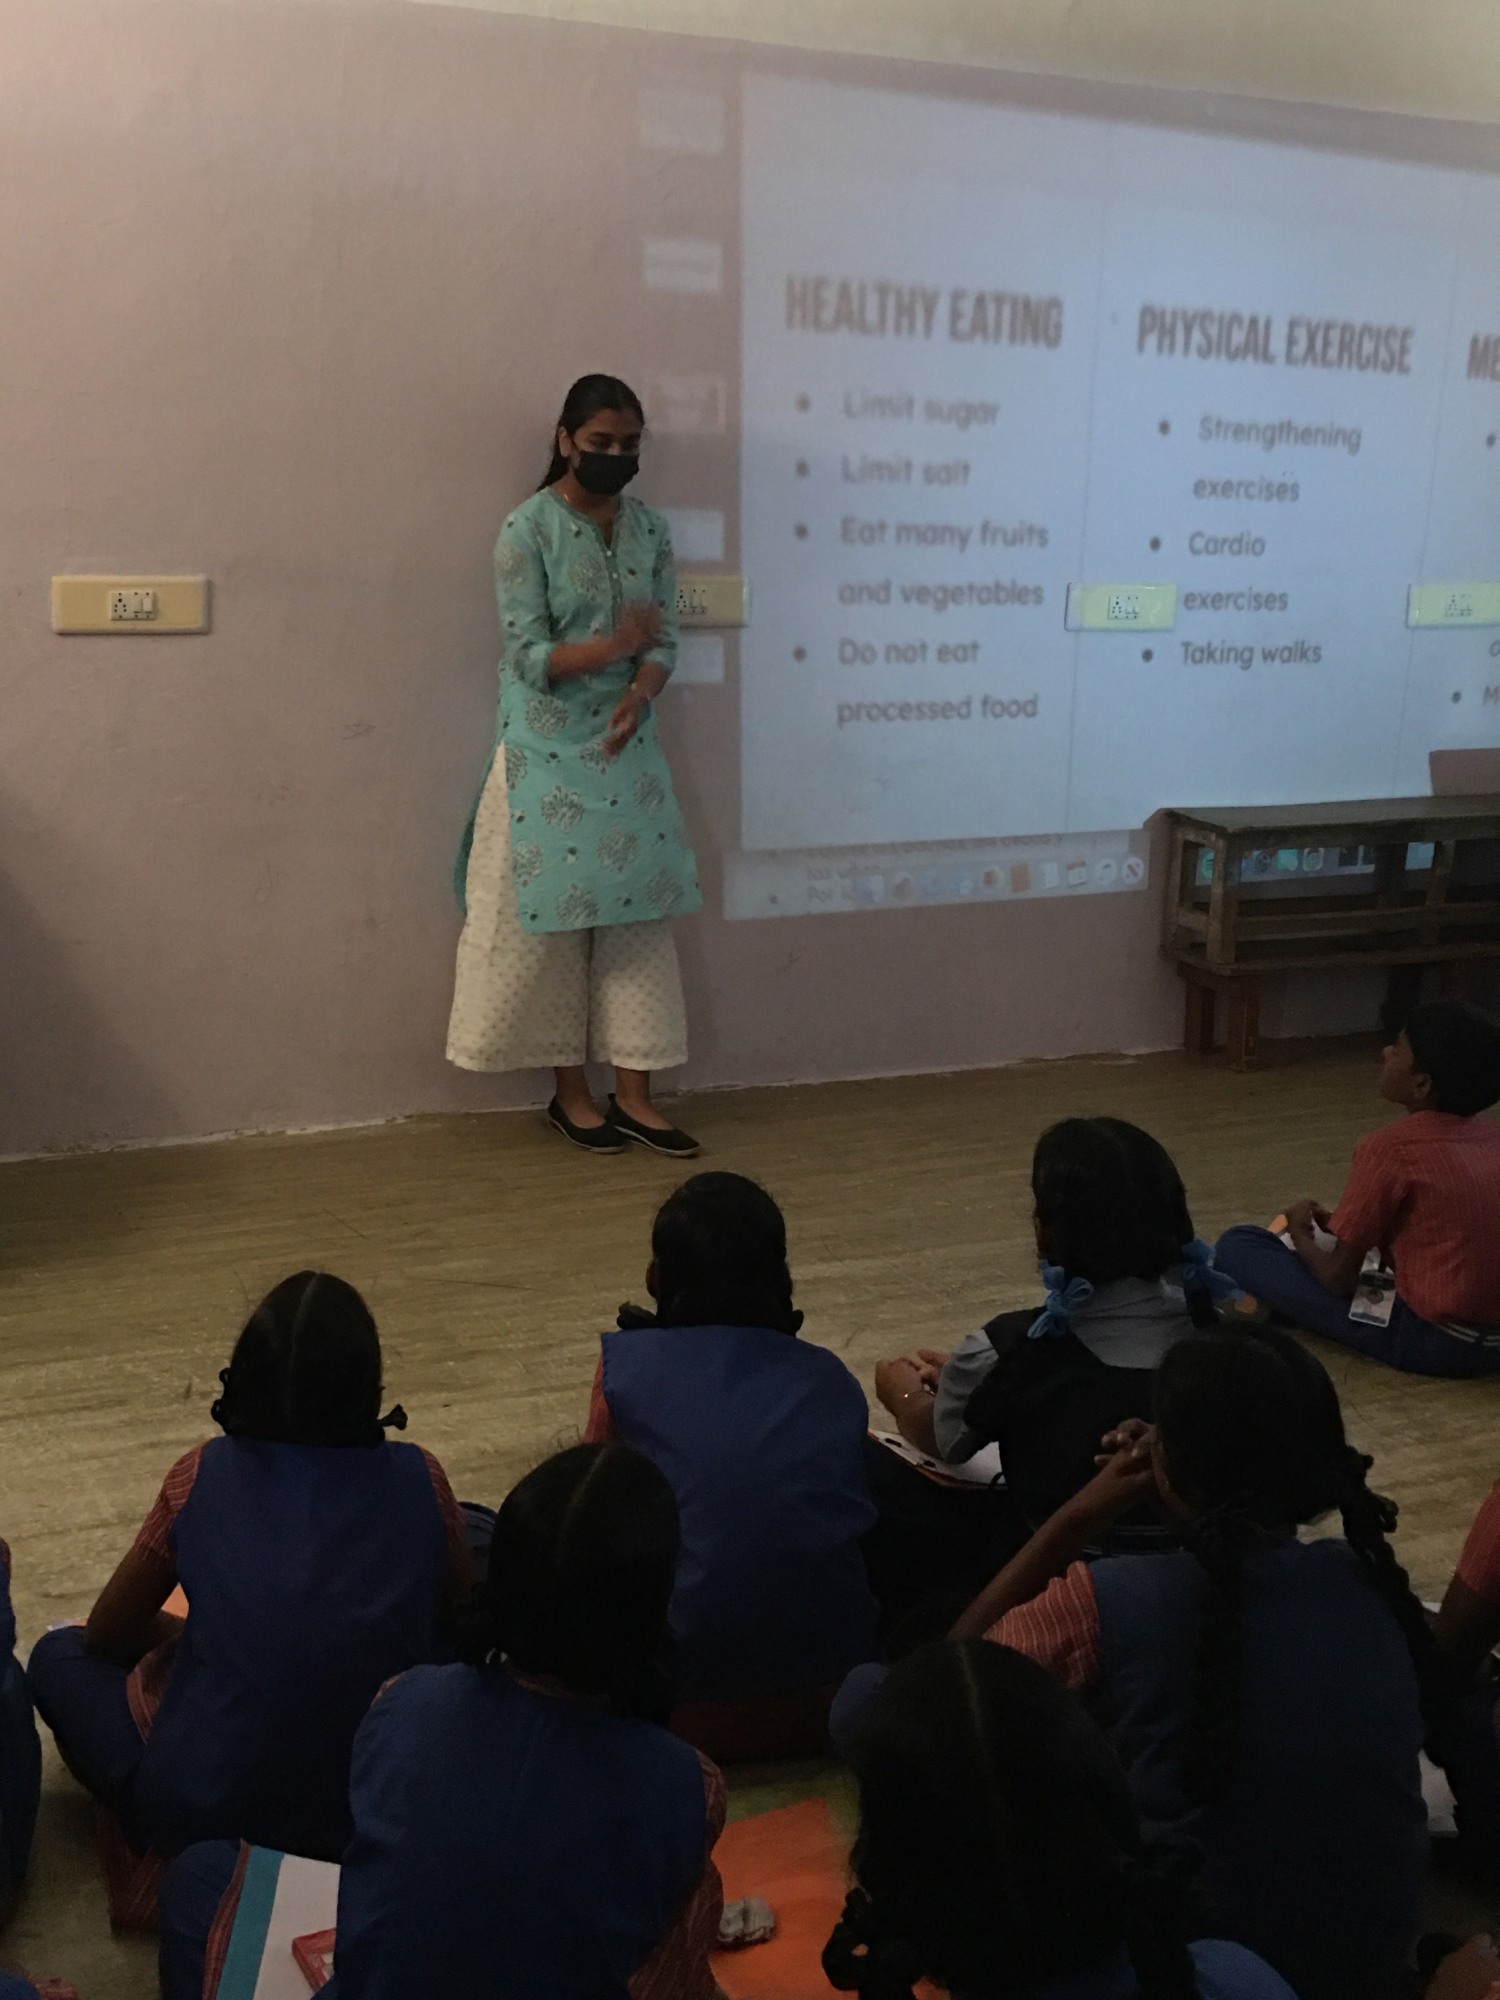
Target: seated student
(317, 1559)
(762, 1436)
(20, 1753)
(1125, 1279)
(1266, 1695)
(1425, 1192)
(522, 1825)
(1000, 1854)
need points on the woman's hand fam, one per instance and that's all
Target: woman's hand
(637, 627)
(626, 720)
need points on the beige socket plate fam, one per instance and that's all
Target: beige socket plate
(133, 604)
(712, 600)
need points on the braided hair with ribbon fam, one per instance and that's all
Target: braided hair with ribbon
(999, 1848)
(1110, 1204)
(306, 1369)
(1253, 1447)
(719, 1256)
(580, 1580)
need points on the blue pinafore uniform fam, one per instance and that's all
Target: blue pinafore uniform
(1316, 1855)
(313, 1573)
(510, 1843)
(762, 1438)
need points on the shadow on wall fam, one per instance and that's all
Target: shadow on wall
(62, 1068)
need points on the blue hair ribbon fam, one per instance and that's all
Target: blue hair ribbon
(1199, 1273)
(1064, 1296)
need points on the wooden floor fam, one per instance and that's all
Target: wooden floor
(493, 1255)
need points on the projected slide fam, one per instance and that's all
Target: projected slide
(993, 356)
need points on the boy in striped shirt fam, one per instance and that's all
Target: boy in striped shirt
(1424, 1192)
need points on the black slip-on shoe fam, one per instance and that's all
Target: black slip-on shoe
(592, 1138)
(674, 1145)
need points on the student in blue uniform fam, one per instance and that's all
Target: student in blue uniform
(1000, 1853)
(1125, 1279)
(523, 1825)
(20, 1753)
(1268, 1696)
(317, 1559)
(762, 1436)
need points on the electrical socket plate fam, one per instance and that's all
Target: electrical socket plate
(150, 604)
(1121, 607)
(1453, 604)
(712, 600)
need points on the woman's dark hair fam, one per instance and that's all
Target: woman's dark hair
(1457, 1047)
(1252, 1441)
(999, 1848)
(306, 1369)
(719, 1248)
(1110, 1204)
(588, 396)
(580, 1579)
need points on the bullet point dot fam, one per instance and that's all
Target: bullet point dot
(804, 402)
(801, 531)
(1148, 654)
(1490, 440)
(1458, 694)
(799, 652)
(1156, 541)
(1164, 427)
(802, 468)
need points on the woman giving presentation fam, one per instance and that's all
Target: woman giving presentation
(577, 859)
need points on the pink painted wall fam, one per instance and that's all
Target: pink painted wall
(291, 295)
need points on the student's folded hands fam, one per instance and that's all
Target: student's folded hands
(1126, 1477)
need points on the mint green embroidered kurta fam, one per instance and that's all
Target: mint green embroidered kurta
(595, 840)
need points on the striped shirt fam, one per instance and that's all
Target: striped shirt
(1426, 1192)
(1059, 1629)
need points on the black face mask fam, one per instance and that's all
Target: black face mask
(606, 473)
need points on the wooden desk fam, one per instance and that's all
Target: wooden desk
(1225, 925)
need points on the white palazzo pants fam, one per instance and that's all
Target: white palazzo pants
(524, 1000)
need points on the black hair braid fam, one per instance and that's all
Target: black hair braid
(580, 1580)
(322, 1362)
(1369, 1518)
(862, 1957)
(306, 1369)
(718, 1246)
(1220, 1541)
(1110, 1203)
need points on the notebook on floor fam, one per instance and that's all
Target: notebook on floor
(285, 1902)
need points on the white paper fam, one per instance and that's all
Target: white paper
(307, 1899)
(983, 1469)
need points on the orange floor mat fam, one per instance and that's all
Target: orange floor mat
(797, 1859)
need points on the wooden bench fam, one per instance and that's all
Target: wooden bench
(1225, 930)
